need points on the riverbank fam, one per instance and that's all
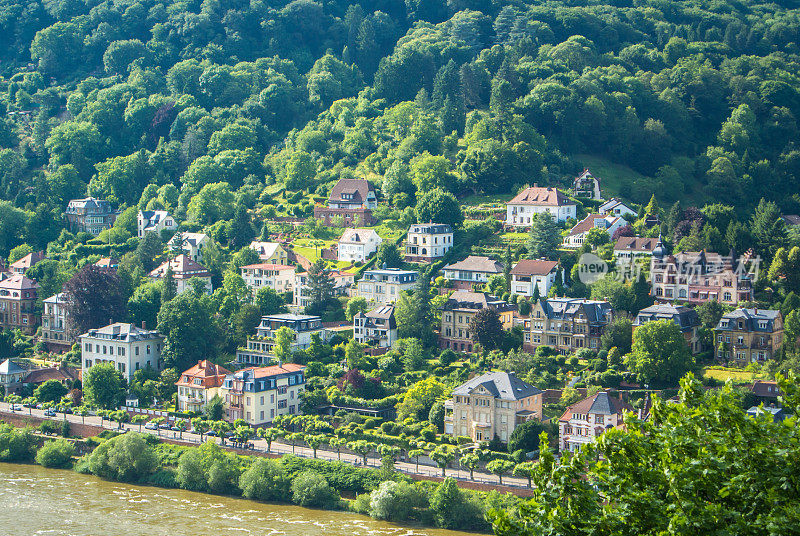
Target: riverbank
(383, 494)
(58, 502)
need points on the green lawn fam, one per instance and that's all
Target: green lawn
(477, 200)
(305, 247)
(737, 376)
(612, 176)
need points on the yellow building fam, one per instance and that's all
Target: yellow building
(458, 311)
(259, 394)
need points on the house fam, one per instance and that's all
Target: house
(491, 405)
(21, 266)
(537, 200)
(192, 244)
(766, 391)
(528, 274)
(342, 283)
(109, 263)
(278, 277)
(777, 414)
(377, 327)
(357, 245)
(567, 324)
(748, 336)
(259, 350)
(587, 185)
(791, 220)
(632, 247)
(154, 221)
(383, 286)
(615, 207)
(472, 272)
(90, 215)
(578, 233)
(259, 394)
(183, 269)
(67, 376)
(458, 311)
(588, 419)
(351, 202)
(686, 318)
(698, 277)
(270, 252)
(55, 329)
(127, 347)
(18, 303)
(199, 384)
(427, 242)
(11, 376)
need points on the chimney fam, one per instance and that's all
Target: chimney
(535, 184)
(110, 321)
(144, 324)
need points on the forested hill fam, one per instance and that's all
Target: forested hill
(699, 97)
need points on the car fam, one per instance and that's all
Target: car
(39, 406)
(49, 413)
(151, 426)
(164, 426)
(175, 429)
(211, 433)
(16, 407)
(29, 405)
(67, 411)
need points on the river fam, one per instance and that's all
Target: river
(39, 501)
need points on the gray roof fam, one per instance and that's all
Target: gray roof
(685, 317)
(750, 319)
(123, 331)
(290, 316)
(430, 228)
(477, 263)
(503, 385)
(595, 311)
(9, 367)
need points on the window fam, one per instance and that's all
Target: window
(282, 404)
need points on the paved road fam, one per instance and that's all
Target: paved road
(280, 447)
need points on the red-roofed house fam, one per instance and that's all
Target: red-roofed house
(278, 277)
(183, 269)
(21, 266)
(586, 420)
(577, 234)
(66, 375)
(537, 200)
(527, 274)
(259, 394)
(199, 384)
(17, 299)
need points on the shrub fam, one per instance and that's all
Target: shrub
(49, 427)
(56, 453)
(447, 504)
(396, 501)
(126, 458)
(311, 489)
(264, 480)
(65, 429)
(163, 478)
(16, 445)
(361, 504)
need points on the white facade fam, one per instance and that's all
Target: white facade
(521, 210)
(376, 327)
(385, 286)
(615, 207)
(588, 419)
(129, 348)
(357, 245)
(578, 233)
(278, 277)
(192, 244)
(428, 241)
(527, 274)
(154, 221)
(259, 349)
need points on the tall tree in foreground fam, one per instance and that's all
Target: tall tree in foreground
(544, 237)
(93, 296)
(320, 284)
(700, 466)
(487, 330)
(103, 386)
(414, 313)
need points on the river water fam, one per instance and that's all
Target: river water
(39, 501)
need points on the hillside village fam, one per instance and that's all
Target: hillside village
(478, 324)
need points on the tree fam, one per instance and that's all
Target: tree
(659, 352)
(169, 287)
(487, 329)
(145, 303)
(50, 391)
(271, 434)
(500, 468)
(311, 489)
(544, 238)
(416, 453)
(442, 456)
(269, 302)
(446, 504)
(264, 480)
(284, 337)
(526, 470)
(525, 436)
(388, 255)
(439, 206)
(414, 314)
(652, 206)
(189, 330)
(768, 229)
(420, 397)
(103, 386)
(315, 441)
(140, 419)
(362, 448)
(320, 283)
(355, 305)
(125, 458)
(55, 454)
(214, 408)
(471, 462)
(618, 334)
(92, 297)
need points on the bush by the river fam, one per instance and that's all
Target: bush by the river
(265, 480)
(56, 453)
(16, 445)
(126, 458)
(311, 489)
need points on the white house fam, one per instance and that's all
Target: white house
(577, 234)
(588, 419)
(474, 270)
(385, 285)
(376, 327)
(259, 349)
(527, 274)
(270, 252)
(183, 269)
(278, 277)
(631, 247)
(587, 185)
(426, 242)
(154, 221)
(615, 207)
(128, 347)
(192, 244)
(537, 200)
(358, 244)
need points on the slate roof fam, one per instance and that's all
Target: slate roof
(503, 385)
(152, 217)
(600, 403)
(9, 367)
(611, 204)
(765, 389)
(89, 204)
(357, 236)
(568, 307)
(477, 263)
(61, 374)
(685, 317)
(750, 319)
(430, 228)
(540, 196)
(527, 267)
(123, 331)
(360, 188)
(384, 312)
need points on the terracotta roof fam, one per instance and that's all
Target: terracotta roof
(211, 374)
(182, 268)
(52, 373)
(465, 299)
(765, 389)
(28, 260)
(359, 188)
(274, 370)
(635, 243)
(268, 266)
(477, 263)
(536, 195)
(107, 262)
(587, 223)
(533, 267)
(18, 282)
(600, 403)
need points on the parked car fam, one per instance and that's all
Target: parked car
(68, 411)
(151, 426)
(175, 429)
(211, 433)
(49, 413)
(16, 407)
(29, 405)
(164, 426)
